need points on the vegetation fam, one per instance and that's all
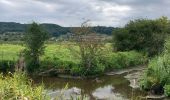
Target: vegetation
(167, 90)
(121, 60)
(90, 48)
(34, 40)
(156, 78)
(18, 87)
(59, 56)
(142, 35)
(86, 54)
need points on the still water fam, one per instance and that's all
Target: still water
(109, 87)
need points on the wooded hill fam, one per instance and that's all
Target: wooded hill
(53, 29)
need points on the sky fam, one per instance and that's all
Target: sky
(114, 13)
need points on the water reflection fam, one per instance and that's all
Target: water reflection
(111, 87)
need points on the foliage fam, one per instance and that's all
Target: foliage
(16, 86)
(158, 71)
(59, 56)
(90, 48)
(120, 60)
(7, 66)
(142, 35)
(34, 40)
(167, 90)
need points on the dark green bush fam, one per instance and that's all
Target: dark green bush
(57, 63)
(77, 71)
(142, 35)
(7, 66)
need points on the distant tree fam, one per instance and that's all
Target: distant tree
(142, 35)
(34, 40)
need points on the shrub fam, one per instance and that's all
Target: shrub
(120, 60)
(167, 90)
(96, 68)
(157, 74)
(7, 66)
(54, 62)
(76, 71)
(142, 35)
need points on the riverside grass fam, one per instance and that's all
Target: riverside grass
(17, 86)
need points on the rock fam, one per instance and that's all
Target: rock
(134, 79)
(67, 94)
(97, 80)
(76, 90)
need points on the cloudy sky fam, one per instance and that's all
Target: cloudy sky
(73, 12)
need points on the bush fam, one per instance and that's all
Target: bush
(120, 60)
(142, 35)
(157, 74)
(54, 62)
(7, 66)
(76, 71)
(167, 90)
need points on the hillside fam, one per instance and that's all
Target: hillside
(53, 29)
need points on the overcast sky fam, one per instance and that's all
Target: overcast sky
(73, 12)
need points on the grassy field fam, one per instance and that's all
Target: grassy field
(63, 51)
(10, 51)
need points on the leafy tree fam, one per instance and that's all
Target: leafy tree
(34, 40)
(142, 35)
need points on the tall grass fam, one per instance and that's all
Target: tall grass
(157, 76)
(18, 87)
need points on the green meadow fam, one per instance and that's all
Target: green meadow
(65, 51)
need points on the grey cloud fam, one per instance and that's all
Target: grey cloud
(73, 12)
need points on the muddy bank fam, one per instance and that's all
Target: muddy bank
(128, 70)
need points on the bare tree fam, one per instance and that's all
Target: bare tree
(90, 46)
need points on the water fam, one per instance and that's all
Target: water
(114, 87)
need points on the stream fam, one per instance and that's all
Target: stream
(112, 86)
